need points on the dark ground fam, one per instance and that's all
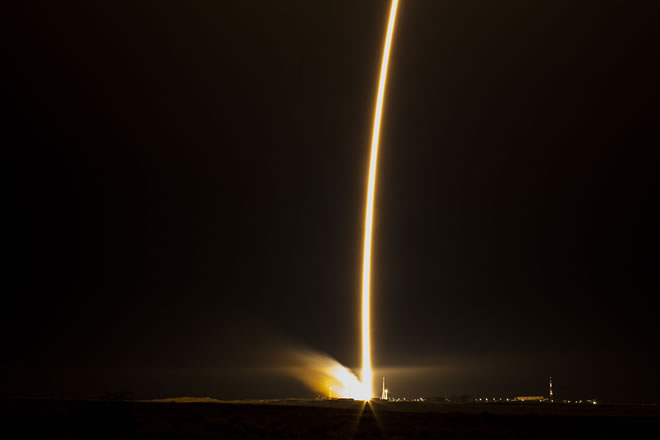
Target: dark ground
(322, 419)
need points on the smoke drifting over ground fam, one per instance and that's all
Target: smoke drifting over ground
(324, 375)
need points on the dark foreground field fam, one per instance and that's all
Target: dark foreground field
(321, 419)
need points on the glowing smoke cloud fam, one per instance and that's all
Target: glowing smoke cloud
(367, 379)
(325, 375)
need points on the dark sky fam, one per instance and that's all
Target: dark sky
(186, 184)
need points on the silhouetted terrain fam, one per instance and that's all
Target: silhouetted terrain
(321, 419)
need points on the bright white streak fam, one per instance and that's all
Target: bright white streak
(367, 377)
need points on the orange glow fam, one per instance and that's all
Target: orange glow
(367, 376)
(326, 376)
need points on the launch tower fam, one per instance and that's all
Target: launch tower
(551, 398)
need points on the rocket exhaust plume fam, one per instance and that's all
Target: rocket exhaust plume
(324, 375)
(367, 377)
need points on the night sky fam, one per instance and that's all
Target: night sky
(186, 182)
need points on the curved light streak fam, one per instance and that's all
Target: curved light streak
(367, 376)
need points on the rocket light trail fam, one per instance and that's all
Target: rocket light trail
(367, 378)
(319, 372)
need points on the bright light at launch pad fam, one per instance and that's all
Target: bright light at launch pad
(326, 376)
(367, 377)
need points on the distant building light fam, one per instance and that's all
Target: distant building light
(529, 398)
